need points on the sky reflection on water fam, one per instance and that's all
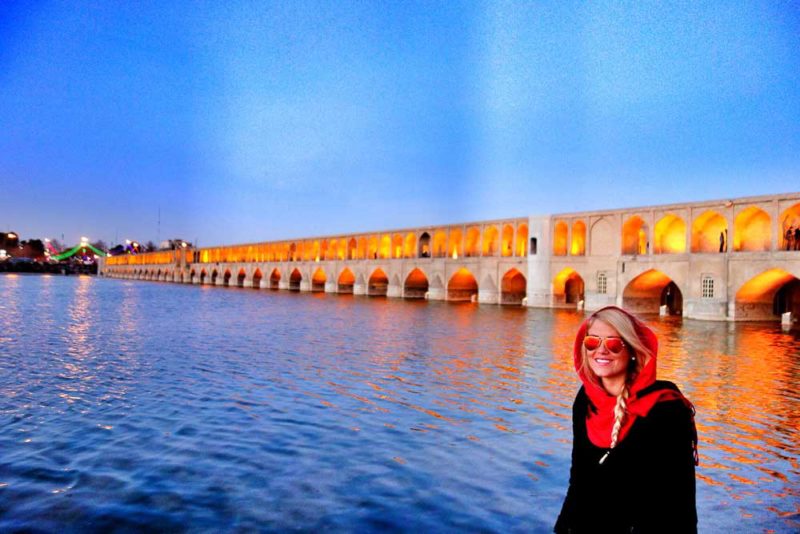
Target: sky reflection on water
(143, 405)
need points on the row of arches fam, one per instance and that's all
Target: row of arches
(769, 293)
(454, 242)
(461, 286)
(752, 231)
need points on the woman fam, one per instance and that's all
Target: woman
(634, 440)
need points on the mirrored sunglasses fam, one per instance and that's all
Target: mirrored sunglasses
(613, 344)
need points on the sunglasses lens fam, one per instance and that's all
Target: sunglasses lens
(614, 344)
(591, 342)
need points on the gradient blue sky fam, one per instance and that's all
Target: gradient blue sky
(250, 121)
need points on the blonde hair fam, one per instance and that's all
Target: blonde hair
(640, 354)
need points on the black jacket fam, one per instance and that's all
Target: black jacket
(647, 482)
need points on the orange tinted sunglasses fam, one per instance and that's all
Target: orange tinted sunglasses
(613, 344)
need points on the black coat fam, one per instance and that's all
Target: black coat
(647, 482)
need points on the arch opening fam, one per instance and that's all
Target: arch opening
(472, 247)
(790, 228)
(462, 286)
(560, 233)
(346, 281)
(670, 235)
(424, 245)
(578, 245)
(634, 236)
(490, 238)
(709, 233)
(240, 278)
(274, 279)
(226, 278)
(507, 246)
(214, 276)
(513, 288)
(522, 240)
(318, 280)
(416, 285)
(257, 276)
(294, 280)
(378, 284)
(649, 291)
(751, 231)
(568, 288)
(767, 295)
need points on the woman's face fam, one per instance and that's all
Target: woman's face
(610, 367)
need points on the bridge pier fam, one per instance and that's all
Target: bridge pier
(359, 289)
(331, 287)
(486, 296)
(394, 291)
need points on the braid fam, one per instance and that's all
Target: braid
(620, 411)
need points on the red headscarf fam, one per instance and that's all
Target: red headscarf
(599, 422)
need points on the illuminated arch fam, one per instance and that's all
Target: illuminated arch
(226, 278)
(522, 240)
(362, 248)
(352, 249)
(790, 218)
(214, 276)
(650, 290)
(385, 251)
(751, 230)
(397, 246)
(240, 278)
(425, 245)
(670, 235)
(440, 244)
(768, 295)
(333, 250)
(455, 248)
(203, 275)
(416, 285)
(294, 280)
(507, 245)
(568, 287)
(318, 280)
(708, 232)
(274, 279)
(372, 248)
(346, 281)
(293, 252)
(378, 284)
(634, 236)
(472, 247)
(257, 276)
(410, 247)
(560, 238)
(578, 246)
(490, 237)
(462, 286)
(513, 287)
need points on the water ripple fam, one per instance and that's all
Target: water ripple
(133, 406)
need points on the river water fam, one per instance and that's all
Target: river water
(134, 406)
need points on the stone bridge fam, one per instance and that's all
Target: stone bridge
(732, 259)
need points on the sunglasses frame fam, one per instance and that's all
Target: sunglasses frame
(604, 342)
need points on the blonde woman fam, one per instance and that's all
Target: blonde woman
(634, 441)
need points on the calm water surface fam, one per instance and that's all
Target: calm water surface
(142, 406)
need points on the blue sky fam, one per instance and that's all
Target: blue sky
(249, 121)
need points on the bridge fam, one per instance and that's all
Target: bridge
(720, 260)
